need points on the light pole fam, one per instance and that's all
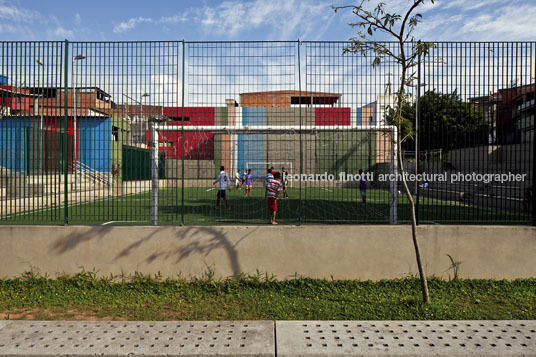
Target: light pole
(75, 136)
(143, 96)
(40, 101)
(418, 86)
(75, 141)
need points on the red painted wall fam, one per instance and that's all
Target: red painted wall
(16, 99)
(332, 116)
(52, 126)
(197, 145)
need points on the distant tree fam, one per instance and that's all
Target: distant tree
(405, 54)
(446, 122)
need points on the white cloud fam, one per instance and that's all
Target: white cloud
(27, 24)
(507, 23)
(513, 22)
(131, 23)
(287, 19)
(175, 19)
(13, 13)
(466, 5)
(7, 12)
(77, 19)
(61, 33)
(5, 28)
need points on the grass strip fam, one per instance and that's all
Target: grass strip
(260, 297)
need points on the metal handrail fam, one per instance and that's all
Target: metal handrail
(91, 173)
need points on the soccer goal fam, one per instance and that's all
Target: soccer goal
(330, 148)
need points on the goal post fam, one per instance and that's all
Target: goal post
(277, 129)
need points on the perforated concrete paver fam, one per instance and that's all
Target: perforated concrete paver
(49, 338)
(3, 324)
(257, 338)
(406, 338)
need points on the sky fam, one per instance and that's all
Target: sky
(204, 20)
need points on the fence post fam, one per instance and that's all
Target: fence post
(533, 171)
(300, 209)
(154, 176)
(533, 176)
(417, 119)
(66, 136)
(393, 185)
(182, 139)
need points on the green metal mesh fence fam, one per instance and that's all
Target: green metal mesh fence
(137, 133)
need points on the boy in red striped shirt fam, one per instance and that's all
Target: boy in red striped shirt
(272, 191)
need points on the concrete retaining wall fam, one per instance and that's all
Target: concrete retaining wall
(341, 252)
(501, 158)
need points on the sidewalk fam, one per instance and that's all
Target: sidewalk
(268, 338)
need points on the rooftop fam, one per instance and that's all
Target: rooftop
(295, 96)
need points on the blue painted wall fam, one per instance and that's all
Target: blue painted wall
(95, 135)
(359, 116)
(251, 149)
(253, 116)
(14, 142)
(251, 146)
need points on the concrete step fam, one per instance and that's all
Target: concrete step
(51, 188)
(45, 179)
(22, 204)
(511, 191)
(504, 203)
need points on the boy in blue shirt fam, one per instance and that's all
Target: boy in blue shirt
(248, 180)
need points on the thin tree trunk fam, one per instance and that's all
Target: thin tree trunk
(422, 274)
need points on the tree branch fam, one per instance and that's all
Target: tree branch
(413, 7)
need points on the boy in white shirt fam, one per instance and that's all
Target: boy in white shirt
(273, 189)
(238, 179)
(223, 182)
(269, 178)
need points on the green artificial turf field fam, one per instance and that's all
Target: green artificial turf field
(305, 206)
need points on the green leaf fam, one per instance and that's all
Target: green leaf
(376, 62)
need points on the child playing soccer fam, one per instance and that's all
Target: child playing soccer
(248, 179)
(363, 187)
(284, 181)
(223, 182)
(269, 178)
(273, 189)
(238, 179)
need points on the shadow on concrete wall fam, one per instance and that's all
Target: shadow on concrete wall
(190, 241)
(71, 241)
(202, 241)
